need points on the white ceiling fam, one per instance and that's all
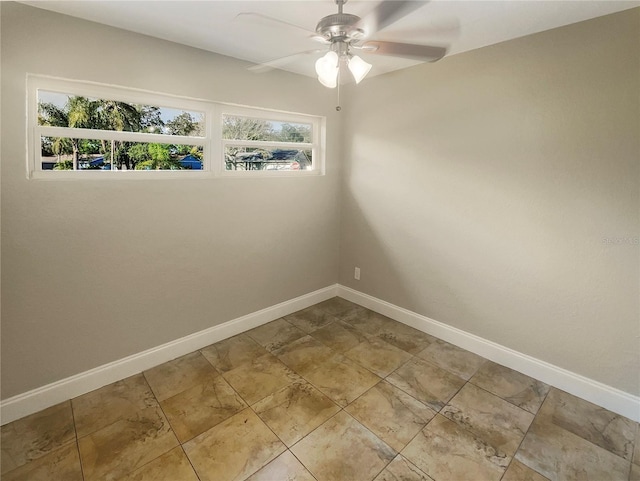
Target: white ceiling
(212, 25)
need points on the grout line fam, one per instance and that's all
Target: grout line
(412, 358)
(636, 449)
(303, 465)
(523, 438)
(75, 429)
(503, 399)
(510, 402)
(193, 468)
(168, 422)
(377, 437)
(581, 437)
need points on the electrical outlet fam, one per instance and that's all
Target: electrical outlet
(356, 274)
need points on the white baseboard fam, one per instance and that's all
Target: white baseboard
(598, 393)
(41, 398)
(33, 401)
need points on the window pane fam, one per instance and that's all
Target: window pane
(256, 158)
(63, 153)
(66, 110)
(247, 128)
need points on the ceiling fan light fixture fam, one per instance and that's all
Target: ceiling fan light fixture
(359, 68)
(345, 33)
(327, 69)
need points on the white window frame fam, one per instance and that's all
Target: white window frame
(315, 146)
(213, 164)
(95, 90)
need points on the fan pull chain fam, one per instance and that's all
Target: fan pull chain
(338, 108)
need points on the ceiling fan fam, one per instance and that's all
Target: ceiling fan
(346, 34)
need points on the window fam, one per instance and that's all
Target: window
(267, 144)
(94, 129)
(87, 130)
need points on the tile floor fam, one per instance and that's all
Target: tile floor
(333, 392)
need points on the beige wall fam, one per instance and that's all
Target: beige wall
(479, 190)
(95, 271)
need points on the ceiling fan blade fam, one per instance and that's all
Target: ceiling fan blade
(388, 12)
(260, 19)
(411, 51)
(280, 61)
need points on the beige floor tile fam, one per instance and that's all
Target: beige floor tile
(237, 404)
(517, 388)
(391, 414)
(378, 356)
(295, 411)
(173, 377)
(499, 423)
(562, 456)
(447, 452)
(636, 451)
(172, 466)
(104, 406)
(311, 318)
(339, 306)
(341, 379)
(233, 352)
(35, 436)
(302, 355)
(342, 449)
(400, 469)
(519, 472)
(368, 322)
(284, 468)
(459, 361)
(427, 383)
(126, 445)
(339, 336)
(234, 449)
(201, 407)
(405, 337)
(275, 334)
(604, 428)
(262, 377)
(61, 464)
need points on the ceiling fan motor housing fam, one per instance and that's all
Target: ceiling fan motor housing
(340, 27)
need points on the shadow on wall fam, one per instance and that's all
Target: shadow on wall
(459, 238)
(399, 264)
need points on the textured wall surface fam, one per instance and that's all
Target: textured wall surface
(492, 191)
(497, 191)
(93, 271)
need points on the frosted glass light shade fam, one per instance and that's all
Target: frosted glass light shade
(327, 69)
(359, 68)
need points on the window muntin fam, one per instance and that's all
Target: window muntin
(82, 132)
(67, 110)
(273, 144)
(57, 153)
(264, 158)
(189, 138)
(236, 127)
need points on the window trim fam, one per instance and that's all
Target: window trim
(212, 142)
(318, 129)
